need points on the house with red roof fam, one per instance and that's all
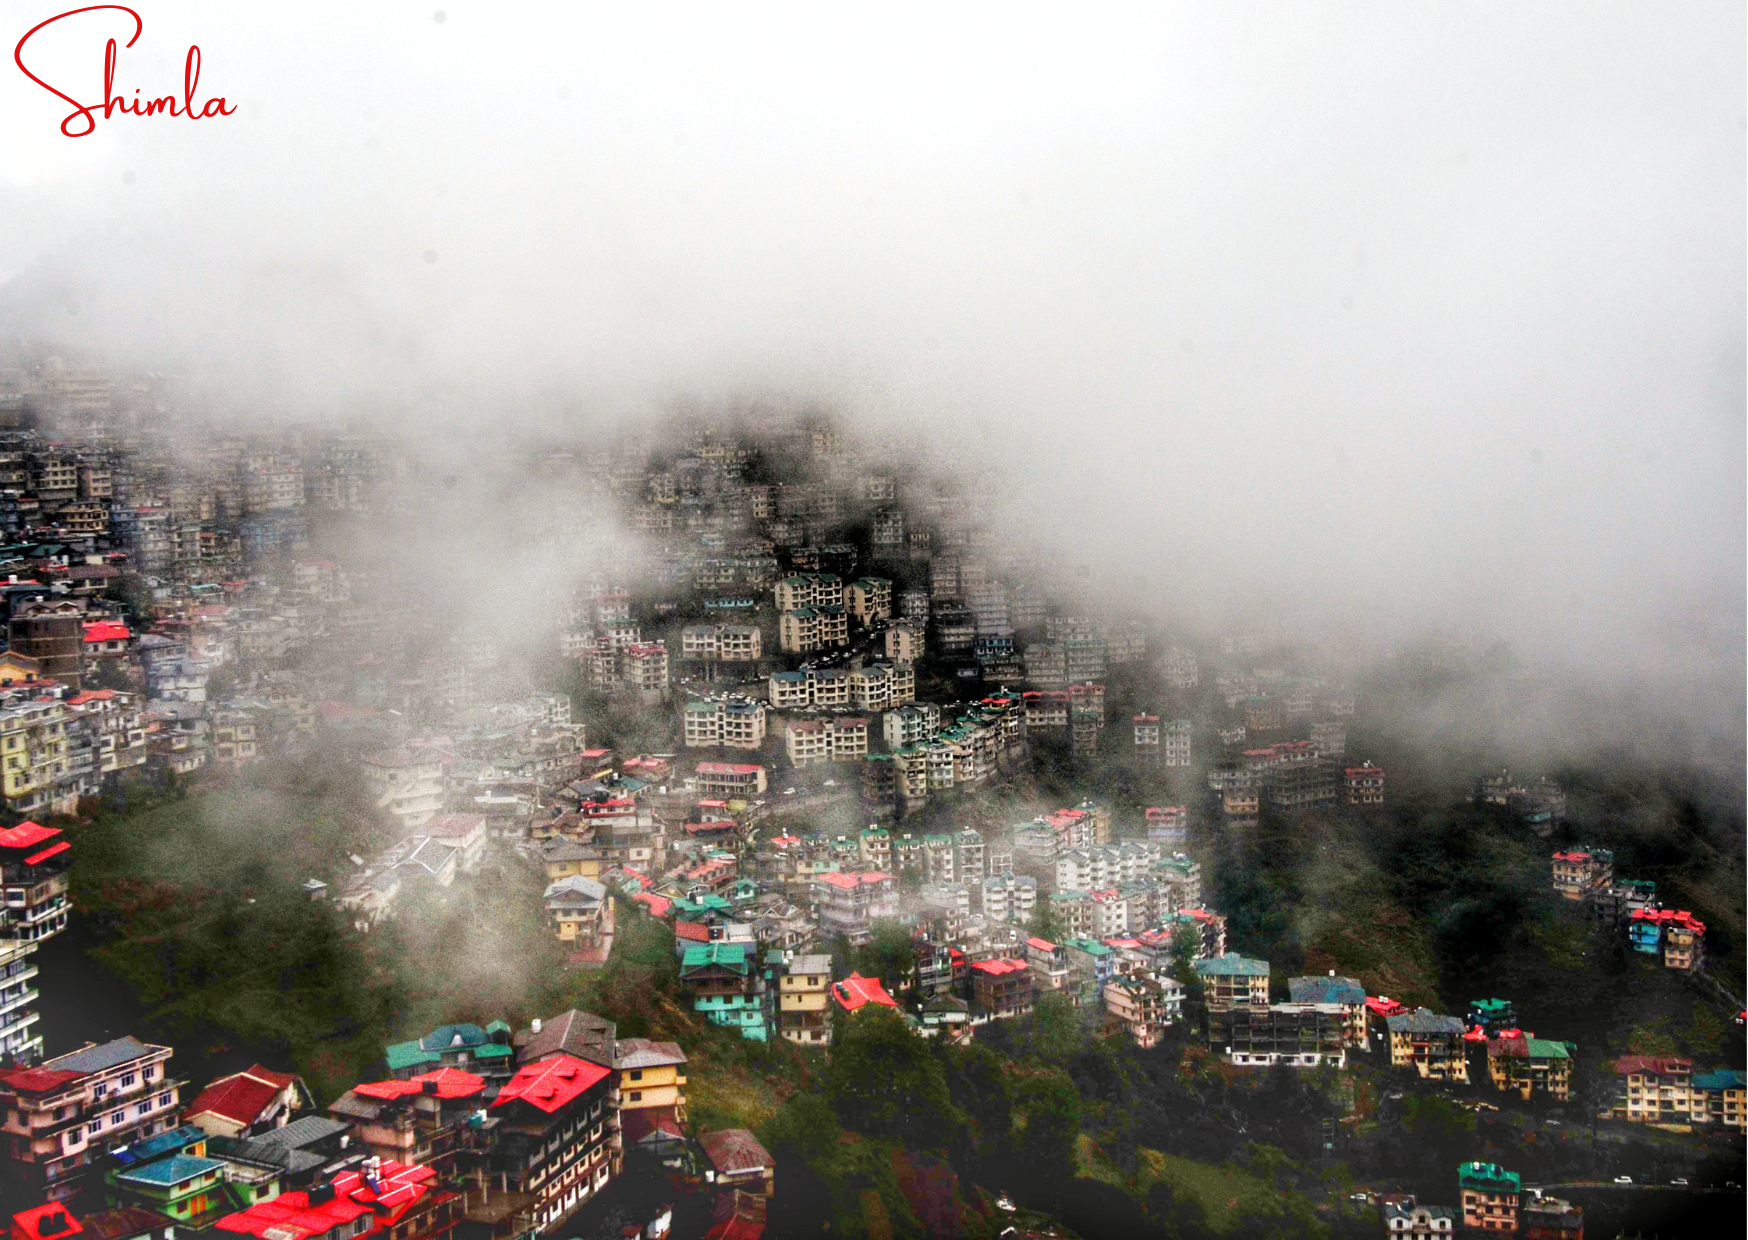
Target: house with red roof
(1002, 986)
(33, 875)
(380, 1199)
(856, 992)
(248, 1103)
(106, 639)
(556, 1129)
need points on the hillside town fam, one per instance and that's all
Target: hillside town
(804, 713)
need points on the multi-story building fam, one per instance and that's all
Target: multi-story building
(1301, 1035)
(1526, 1064)
(869, 599)
(807, 629)
(1431, 1044)
(381, 1200)
(1549, 1218)
(809, 590)
(808, 688)
(1046, 665)
(1146, 737)
(729, 781)
(649, 1087)
(553, 1139)
(836, 738)
(34, 747)
(1002, 987)
(968, 856)
(1143, 1007)
(1363, 785)
(903, 642)
(1346, 991)
(1174, 743)
(644, 667)
(1657, 1089)
(66, 1114)
(725, 986)
(1718, 1097)
(882, 686)
(34, 860)
(802, 986)
(1009, 898)
(1580, 872)
(1489, 1197)
(848, 904)
(1404, 1220)
(407, 783)
(1182, 670)
(911, 724)
(20, 1040)
(1676, 934)
(728, 723)
(1234, 981)
(720, 643)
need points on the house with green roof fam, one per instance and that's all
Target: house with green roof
(184, 1187)
(486, 1052)
(1527, 1065)
(1490, 1194)
(726, 987)
(1233, 981)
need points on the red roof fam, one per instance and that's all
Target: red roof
(1000, 965)
(46, 1222)
(1043, 945)
(26, 834)
(451, 1083)
(290, 1216)
(658, 906)
(241, 1097)
(60, 846)
(1656, 1065)
(691, 931)
(38, 1080)
(850, 881)
(856, 992)
(106, 631)
(552, 1084)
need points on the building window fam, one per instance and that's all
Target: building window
(127, 1079)
(163, 1100)
(637, 1097)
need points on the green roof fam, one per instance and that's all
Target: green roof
(409, 1055)
(1542, 1048)
(703, 955)
(169, 1172)
(1488, 1178)
(1233, 965)
(1088, 946)
(493, 1050)
(1491, 1005)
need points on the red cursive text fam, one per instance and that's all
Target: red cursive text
(86, 113)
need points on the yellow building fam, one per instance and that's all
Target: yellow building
(33, 747)
(650, 1079)
(1526, 1064)
(1431, 1044)
(578, 911)
(566, 858)
(802, 1016)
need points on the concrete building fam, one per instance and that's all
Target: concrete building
(869, 599)
(1363, 785)
(730, 723)
(911, 724)
(813, 628)
(836, 738)
(903, 642)
(720, 643)
(803, 983)
(1431, 1044)
(810, 688)
(882, 686)
(1489, 1197)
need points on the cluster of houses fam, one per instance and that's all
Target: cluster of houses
(1675, 935)
(1491, 1200)
(482, 1132)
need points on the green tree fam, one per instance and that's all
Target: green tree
(884, 1081)
(1055, 1031)
(1048, 1144)
(889, 954)
(1046, 923)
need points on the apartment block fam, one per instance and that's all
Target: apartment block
(813, 628)
(911, 724)
(869, 599)
(803, 983)
(810, 687)
(809, 590)
(903, 642)
(1429, 1043)
(1363, 785)
(882, 686)
(836, 738)
(730, 723)
(720, 643)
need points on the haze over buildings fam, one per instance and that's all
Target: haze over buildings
(1382, 323)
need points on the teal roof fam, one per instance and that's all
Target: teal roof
(169, 1172)
(1491, 1005)
(1088, 946)
(1542, 1048)
(703, 955)
(1488, 1178)
(408, 1055)
(1723, 1078)
(1233, 965)
(497, 1026)
(453, 1037)
(493, 1050)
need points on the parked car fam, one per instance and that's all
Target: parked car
(1623, 1179)
(1679, 1181)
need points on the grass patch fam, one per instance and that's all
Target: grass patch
(1226, 1192)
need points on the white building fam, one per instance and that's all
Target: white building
(882, 686)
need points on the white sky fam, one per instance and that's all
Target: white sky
(1432, 313)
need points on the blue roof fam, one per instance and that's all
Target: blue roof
(155, 1147)
(1317, 989)
(1723, 1078)
(453, 1037)
(169, 1172)
(1234, 965)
